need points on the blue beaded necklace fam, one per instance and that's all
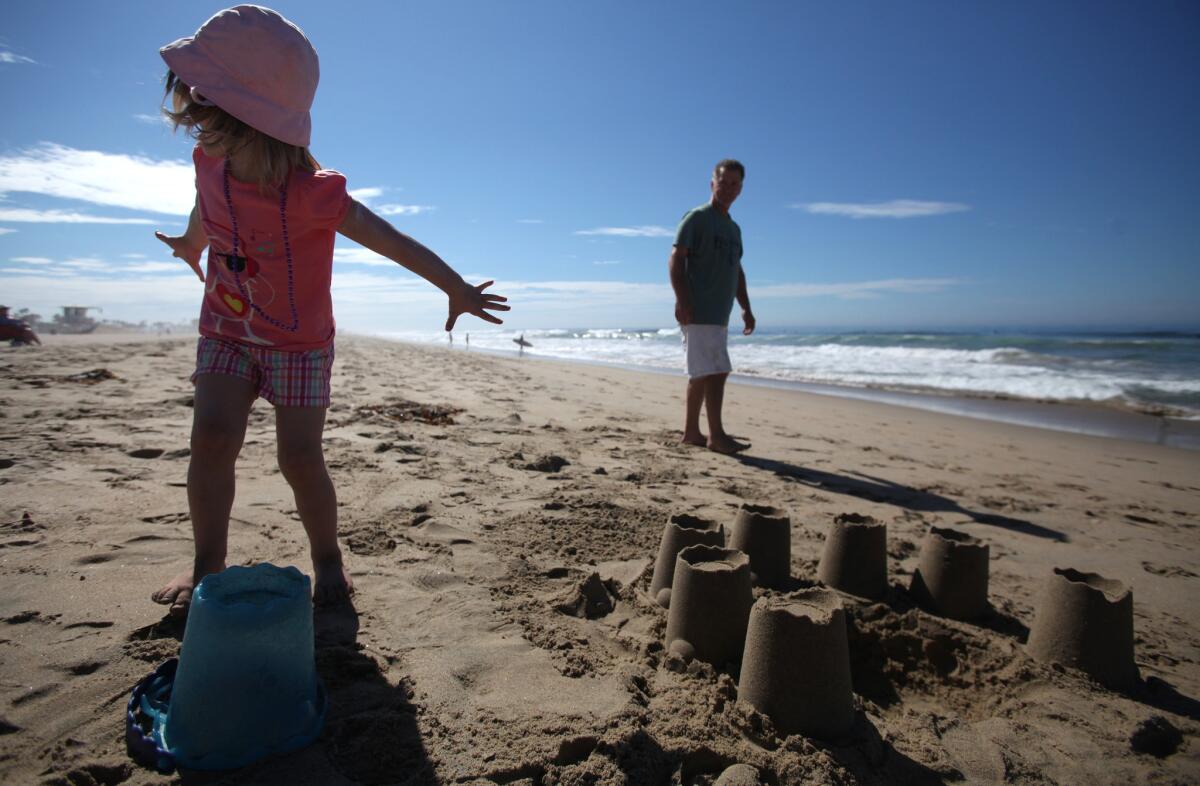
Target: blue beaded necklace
(238, 263)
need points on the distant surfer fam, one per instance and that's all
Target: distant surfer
(522, 343)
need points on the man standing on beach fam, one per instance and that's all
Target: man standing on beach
(706, 274)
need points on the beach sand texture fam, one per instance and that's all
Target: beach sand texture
(501, 516)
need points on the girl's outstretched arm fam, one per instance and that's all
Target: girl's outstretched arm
(191, 244)
(367, 229)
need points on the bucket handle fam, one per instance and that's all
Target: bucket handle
(145, 713)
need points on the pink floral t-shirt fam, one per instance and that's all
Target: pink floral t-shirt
(274, 291)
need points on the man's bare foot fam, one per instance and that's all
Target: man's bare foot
(726, 444)
(178, 592)
(697, 439)
(333, 584)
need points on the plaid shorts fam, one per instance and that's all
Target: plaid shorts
(285, 379)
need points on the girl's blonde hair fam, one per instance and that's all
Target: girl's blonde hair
(272, 159)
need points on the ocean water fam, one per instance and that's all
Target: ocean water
(1150, 372)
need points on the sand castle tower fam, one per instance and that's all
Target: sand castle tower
(796, 667)
(855, 556)
(1085, 621)
(710, 604)
(952, 578)
(764, 533)
(682, 530)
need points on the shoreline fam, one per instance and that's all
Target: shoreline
(1095, 419)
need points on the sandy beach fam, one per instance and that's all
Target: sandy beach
(478, 494)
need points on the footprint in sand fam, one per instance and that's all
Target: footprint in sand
(96, 624)
(95, 559)
(167, 518)
(145, 453)
(1171, 571)
(22, 617)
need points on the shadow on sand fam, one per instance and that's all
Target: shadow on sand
(880, 490)
(371, 733)
(1160, 694)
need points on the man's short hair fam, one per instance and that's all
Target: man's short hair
(730, 163)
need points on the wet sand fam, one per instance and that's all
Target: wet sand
(470, 656)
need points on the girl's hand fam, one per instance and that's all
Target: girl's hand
(472, 300)
(180, 247)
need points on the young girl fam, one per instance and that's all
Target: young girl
(243, 86)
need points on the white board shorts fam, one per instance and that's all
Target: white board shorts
(707, 349)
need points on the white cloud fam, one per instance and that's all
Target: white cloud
(13, 57)
(530, 221)
(645, 231)
(404, 210)
(854, 290)
(566, 293)
(15, 271)
(6, 231)
(64, 217)
(373, 287)
(87, 263)
(365, 195)
(607, 262)
(152, 120)
(369, 287)
(82, 266)
(112, 179)
(154, 267)
(357, 255)
(897, 208)
(368, 298)
(148, 297)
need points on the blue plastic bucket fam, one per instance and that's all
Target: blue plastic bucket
(246, 685)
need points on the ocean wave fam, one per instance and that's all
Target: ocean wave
(1039, 367)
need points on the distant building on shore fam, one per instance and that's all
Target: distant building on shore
(74, 319)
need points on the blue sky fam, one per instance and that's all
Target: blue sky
(909, 165)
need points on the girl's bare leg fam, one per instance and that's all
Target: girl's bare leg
(302, 461)
(222, 405)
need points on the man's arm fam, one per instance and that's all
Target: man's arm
(367, 229)
(677, 267)
(743, 299)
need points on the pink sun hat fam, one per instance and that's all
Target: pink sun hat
(255, 65)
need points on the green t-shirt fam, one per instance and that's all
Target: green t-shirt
(714, 259)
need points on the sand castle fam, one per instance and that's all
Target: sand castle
(793, 649)
(681, 530)
(796, 666)
(855, 556)
(1085, 621)
(710, 604)
(764, 533)
(952, 578)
